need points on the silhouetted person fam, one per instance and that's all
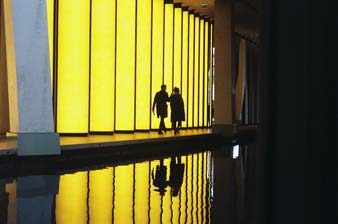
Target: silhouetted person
(176, 175)
(177, 110)
(161, 99)
(160, 178)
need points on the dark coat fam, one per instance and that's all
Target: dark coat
(177, 108)
(161, 99)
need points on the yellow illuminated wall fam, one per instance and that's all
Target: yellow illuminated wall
(73, 66)
(157, 53)
(100, 196)
(71, 200)
(125, 65)
(201, 75)
(102, 66)
(168, 51)
(191, 70)
(196, 72)
(177, 47)
(185, 55)
(206, 70)
(50, 22)
(143, 60)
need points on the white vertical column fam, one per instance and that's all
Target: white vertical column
(31, 114)
(223, 67)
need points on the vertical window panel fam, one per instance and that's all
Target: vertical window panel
(143, 54)
(185, 55)
(196, 72)
(191, 70)
(157, 53)
(201, 75)
(124, 187)
(100, 196)
(206, 72)
(168, 51)
(71, 200)
(177, 48)
(73, 66)
(50, 23)
(102, 66)
(125, 65)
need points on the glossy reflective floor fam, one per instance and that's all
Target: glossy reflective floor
(210, 186)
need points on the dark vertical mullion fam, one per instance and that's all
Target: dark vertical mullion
(87, 201)
(134, 180)
(135, 66)
(55, 60)
(115, 39)
(151, 61)
(90, 60)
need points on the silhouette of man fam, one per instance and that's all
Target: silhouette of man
(176, 175)
(160, 178)
(161, 99)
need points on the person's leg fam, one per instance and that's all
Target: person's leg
(161, 125)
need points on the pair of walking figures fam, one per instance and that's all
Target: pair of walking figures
(176, 105)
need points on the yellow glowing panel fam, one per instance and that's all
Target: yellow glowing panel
(211, 74)
(73, 66)
(191, 71)
(196, 73)
(71, 200)
(142, 175)
(177, 47)
(102, 66)
(143, 64)
(123, 202)
(125, 65)
(155, 197)
(201, 75)
(50, 23)
(168, 52)
(100, 196)
(185, 55)
(206, 72)
(157, 54)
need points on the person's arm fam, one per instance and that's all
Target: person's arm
(153, 109)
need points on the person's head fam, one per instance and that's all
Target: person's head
(176, 90)
(163, 87)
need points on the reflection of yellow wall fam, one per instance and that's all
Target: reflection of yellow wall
(73, 66)
(185, 51)
(206, 69)
(102, 66)
(157, 53)
(100, 196)
(141, 192)
(191, 70)
(143, 64)
(201, 74)
(125, 65)
(167, 203)
(196, 72)
(155, 199)
(71, 201)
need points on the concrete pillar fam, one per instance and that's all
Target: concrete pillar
(4, 116)
(223, 67)
(35, 198)
(31, 114)
(241, 79)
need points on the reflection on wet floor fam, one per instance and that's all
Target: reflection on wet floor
(204, 187)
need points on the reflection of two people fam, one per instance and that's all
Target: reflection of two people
(175, 178)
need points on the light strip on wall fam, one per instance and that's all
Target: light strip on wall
(191, 70)
(206, 71)
(178, 47)
(102, 66)
(73, 66)
(125, 65)
(143, 60)
(50, 23)
(157, 53)
(196, 72)
(100, 196)
(185, 55)
(201, 75)
(168, 51)
(71, 200)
